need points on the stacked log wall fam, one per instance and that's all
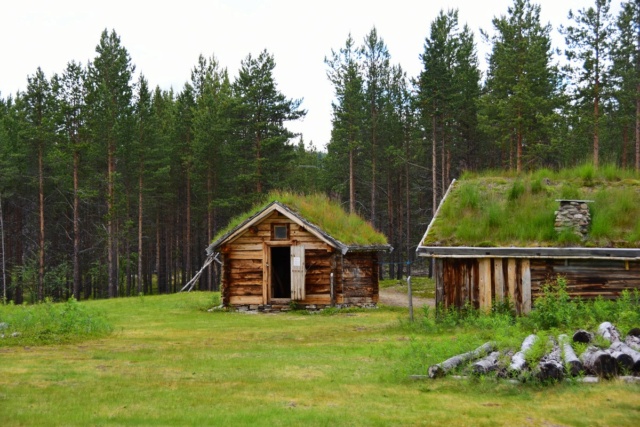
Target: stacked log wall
(360, 278)
(482, 281)
(245, 267)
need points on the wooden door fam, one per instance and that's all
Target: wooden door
(297, 273)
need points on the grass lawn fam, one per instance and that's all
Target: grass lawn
(170, 362)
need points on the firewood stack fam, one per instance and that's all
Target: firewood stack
(607, 355)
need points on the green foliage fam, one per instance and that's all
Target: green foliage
(517, 189)
(49, 323)
(553, 308)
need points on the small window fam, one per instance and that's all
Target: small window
(280, 232)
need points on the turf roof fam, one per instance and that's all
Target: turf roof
(501, 210)
(319, 210)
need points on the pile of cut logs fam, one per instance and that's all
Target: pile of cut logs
(621, 356)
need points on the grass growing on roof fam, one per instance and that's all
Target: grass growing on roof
(319, 210)
(488, 209)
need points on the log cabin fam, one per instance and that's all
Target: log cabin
(497, 239)
(280, 256)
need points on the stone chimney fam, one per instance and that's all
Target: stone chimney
(573, 215)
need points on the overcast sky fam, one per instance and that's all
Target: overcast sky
(164, 39)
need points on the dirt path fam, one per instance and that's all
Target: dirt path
(398, 299)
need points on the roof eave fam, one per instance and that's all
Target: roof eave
(629, 254)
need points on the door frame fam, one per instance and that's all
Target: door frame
(266, 268)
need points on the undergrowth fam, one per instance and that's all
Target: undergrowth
(49, 323)
(554, 313)
(553, 309)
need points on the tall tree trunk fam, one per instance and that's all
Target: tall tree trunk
(443, 161)
(258, 164)
(352, 184)
(638, 103)
(41, 228)
(373, 183)
(519, 144)
(434, 173)
(186, 274)
(140, 280)
(408, 211)
(596, 123)
(625, 143)
(4, 258)
(111, 229)
(76, 226)
(209, 225)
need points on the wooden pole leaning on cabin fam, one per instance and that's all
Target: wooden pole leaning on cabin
(191, 283)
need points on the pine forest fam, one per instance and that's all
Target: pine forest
(109, 187)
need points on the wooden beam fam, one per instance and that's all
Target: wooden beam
(499, 279)
(526, 286)
(439, 275)
(265, 273)
(539, 252)
(484, 283)
(511, 279)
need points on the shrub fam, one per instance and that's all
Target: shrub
(49, 323)
(516, 190)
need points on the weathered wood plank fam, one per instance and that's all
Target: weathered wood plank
(511, 279)
(241, 299)
(526, 286)
(245, 255)
(484, 283)
(438, 266)
(498, 279)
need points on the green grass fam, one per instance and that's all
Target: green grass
(318, 209)
(50, 323)
(170, 362)
(507, 210)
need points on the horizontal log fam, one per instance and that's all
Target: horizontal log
(257, 256)
(599, 362)
(244, 300)
(518, 361)
(550, 366)
(441, 369)
(583, 336)
(621, 347)
(608, 332)
(486, 364)
(633, 342)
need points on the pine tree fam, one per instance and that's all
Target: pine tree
(39, 105)
(521, 82)
(375, 66)
(71, 122)
(110, 113)
(625, 78)
(348, 111)
(261, 139)
(447, 94)
(589, 51)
